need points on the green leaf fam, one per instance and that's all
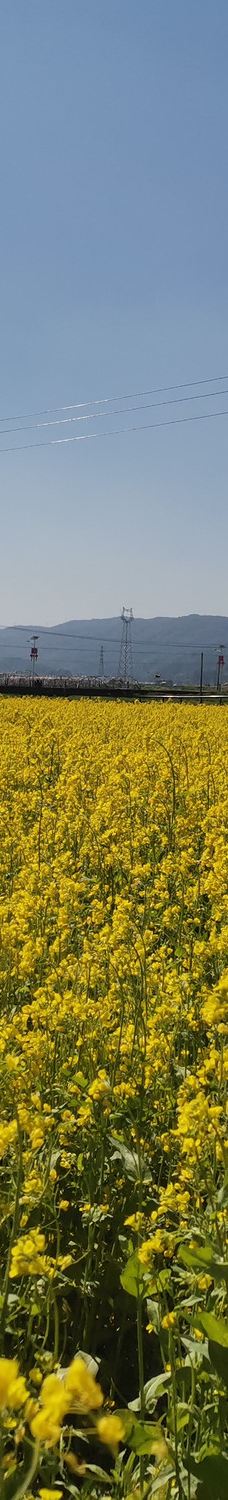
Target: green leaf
(156, 1387)
(223, 1191)
(182, 1418)
(19, 1481)
(161, 1485)
(184, 1379)
(132, 1277)
(128, 1158)
(80, 1160)
(100, 1473)
(72, 1490)
(197, 1351)
(160, 1282)
(153, 1313)
(215, 1328)
(148, 1439)
(143, 1437)
(212, 1475)
(9, 1485)
(219, 1358)
(202, 1258)
(152, 1390)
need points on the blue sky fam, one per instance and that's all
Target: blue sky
(113, 278)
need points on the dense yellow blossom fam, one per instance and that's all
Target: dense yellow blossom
(13, 1393)
(110, 1429)
(113, 1045)
(45, 1494)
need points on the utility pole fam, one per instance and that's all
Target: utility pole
(101, 662)
(125, 669)
(220, 666)
(34, 653)
(201, 677)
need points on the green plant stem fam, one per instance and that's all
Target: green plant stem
(28, 1476)
(88, 1269)
(11, 1242)
(141, 1377)
(193, 1390)
(140, 1356)
(56, 1328)
(172, 1362)
(139, 1324)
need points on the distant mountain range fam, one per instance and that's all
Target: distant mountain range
(166, 646)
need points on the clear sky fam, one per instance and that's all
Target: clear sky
(113, 278)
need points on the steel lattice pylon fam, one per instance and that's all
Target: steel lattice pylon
(101, 662)
(125, 669)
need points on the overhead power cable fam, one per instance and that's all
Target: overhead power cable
(157, 390)
(63, 636)
(121, 411)
(85, 437)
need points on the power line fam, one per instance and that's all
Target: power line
(85, 437)
(107, 400)
(121, 411)
(146, 645)
(63, 635)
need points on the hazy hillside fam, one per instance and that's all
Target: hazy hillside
(170, 647)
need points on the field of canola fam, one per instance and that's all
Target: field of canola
(113, 1118)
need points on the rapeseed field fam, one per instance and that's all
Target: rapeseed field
(113, 1118)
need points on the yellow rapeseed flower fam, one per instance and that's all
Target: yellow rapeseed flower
(114, 1026)
(13, 1390)
(50, 1494)
(110, 1430)
(83, 1393)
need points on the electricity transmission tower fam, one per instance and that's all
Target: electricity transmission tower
(101, 662)
(34, 652)
(125, 669)
(220, 665)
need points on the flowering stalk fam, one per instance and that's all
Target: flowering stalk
(12, 1238)
(28, 1475)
